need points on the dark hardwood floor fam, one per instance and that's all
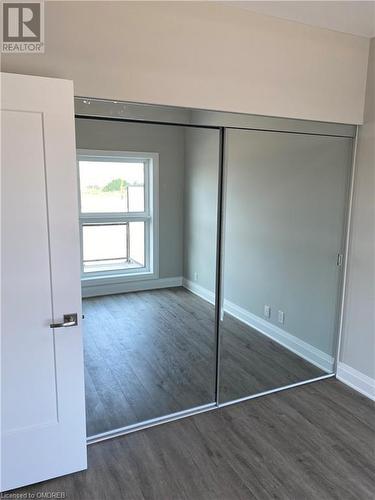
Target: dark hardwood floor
(149, 354)
(251, 363)
(313, 442)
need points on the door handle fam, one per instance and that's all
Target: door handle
(69, 320)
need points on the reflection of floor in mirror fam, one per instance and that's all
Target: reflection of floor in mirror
(147, 354)
(152, 353)
(252, 363)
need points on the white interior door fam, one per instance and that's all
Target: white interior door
(42, 385)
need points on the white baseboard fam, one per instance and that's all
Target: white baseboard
(356, 380)
(291, 342)
(130, 286)
(203, 293)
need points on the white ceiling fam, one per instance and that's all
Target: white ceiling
(357, 18)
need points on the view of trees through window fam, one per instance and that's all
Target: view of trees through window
(111, 194)
(111, 186)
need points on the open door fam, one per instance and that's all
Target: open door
(42, 383)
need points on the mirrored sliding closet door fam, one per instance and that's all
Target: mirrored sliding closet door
(285, 198)
(148, 220)
(181, 318)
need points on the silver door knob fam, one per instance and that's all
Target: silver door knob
(69, 320)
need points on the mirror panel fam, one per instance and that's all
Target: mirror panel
(284, 221)
(149, 336)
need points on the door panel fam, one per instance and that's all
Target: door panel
(152, 354)
(284, 219)
(43, 415)
(25, 249)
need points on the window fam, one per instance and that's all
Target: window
(118, 214)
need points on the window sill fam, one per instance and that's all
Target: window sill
(109, 279)
(108, 286)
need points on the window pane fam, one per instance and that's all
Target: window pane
(136, 197)
(137, 242)
(111, 186)
(108, 247)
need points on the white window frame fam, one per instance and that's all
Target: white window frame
(150, 217)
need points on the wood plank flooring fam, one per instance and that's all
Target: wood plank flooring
(149, 354)
(314, 442)
(251, 363)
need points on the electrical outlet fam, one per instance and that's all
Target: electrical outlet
(195, 276)
(267, 311)
(281, 317)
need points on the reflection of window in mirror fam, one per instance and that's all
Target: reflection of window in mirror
(118, 204)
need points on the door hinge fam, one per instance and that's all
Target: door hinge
(340, 259)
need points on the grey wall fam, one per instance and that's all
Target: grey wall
(201, 184)
(283, 225)
(358, 340)
(169, 143)
(285, 205)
